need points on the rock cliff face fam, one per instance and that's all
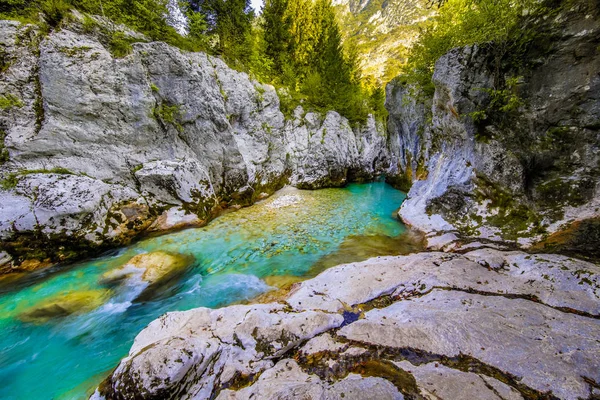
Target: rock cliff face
(486, 325)
(98, 149)
(503, 152)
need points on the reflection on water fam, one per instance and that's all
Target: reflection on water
(63, 330)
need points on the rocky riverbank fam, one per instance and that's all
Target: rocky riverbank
(99, 148)
(486, 325)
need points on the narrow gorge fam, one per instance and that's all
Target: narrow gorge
(172, 228)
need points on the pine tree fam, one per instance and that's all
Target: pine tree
(231, 20)
(276, 27)
(303, 34)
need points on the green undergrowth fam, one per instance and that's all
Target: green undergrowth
(9, 101)
(500, 26)
(11, 180)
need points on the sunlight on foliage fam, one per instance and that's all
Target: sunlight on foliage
(466, 22)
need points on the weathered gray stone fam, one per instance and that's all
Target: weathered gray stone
(287, 381)
(439, 382)
(490, 324)
(159, 127)
(191, 354)
(554, 280)
(533, 342)
(504, 175)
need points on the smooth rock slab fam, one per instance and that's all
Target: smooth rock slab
(555, 280)
(287, 381)
(530, 318)
(437, 382)
(547, 349)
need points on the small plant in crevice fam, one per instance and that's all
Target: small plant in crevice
(10, 181)
(4, 60)
(10, 101)
(4, 155)
(119, 44)
(169, 114)
(260, 94)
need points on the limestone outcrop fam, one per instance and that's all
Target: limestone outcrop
(98, 149)
(504, 150)
(488, 324)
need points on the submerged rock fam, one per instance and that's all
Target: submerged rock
(153, 269)
(489, 324)
(282, 281)
(65, 304)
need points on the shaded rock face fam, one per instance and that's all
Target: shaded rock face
(487, 324)
(512, 174)
(97, 148)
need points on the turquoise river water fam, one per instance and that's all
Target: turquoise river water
(294, 234)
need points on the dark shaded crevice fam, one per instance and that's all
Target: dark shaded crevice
(530, 297)
(376, 360)
(388, 299)
(38, 105)
(491, 388)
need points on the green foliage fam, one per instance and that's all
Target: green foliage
(303, 42)
(467, 22)
(277, 24)
(54, 11)
(10, 101)
(502, 105)
(119, 44)
(144, 16)
(507, 99)
(377, 102)
(89, 24)
(230, 22)
(197, 26)
(169, 114)
(10, 181)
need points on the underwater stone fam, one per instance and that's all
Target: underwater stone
(65, 304)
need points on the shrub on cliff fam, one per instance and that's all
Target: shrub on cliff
(466, 22)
